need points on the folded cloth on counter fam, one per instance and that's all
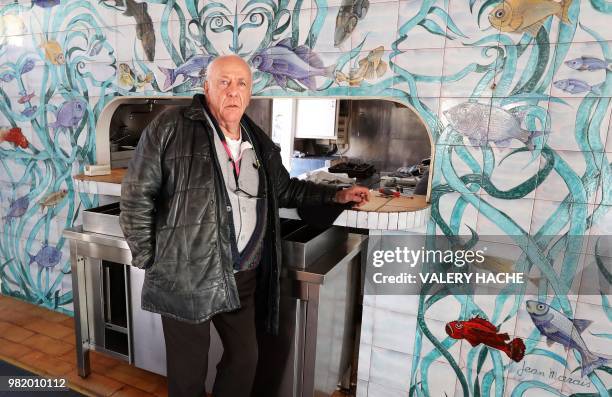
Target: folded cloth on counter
(329, 178)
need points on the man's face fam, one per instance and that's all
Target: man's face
(228, 89)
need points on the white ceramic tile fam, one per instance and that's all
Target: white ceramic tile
(591, 78)
(594, 288)
(342, 219)
(362, 219)
(376, 390)
(601, 325)
(456, 61)
(418, 36)
(539, 367)
(379, 27)
(519, 211)
(469, 217)
(367, 322)
(402, 222)
(383, 221)
(511, 385)
(566, 134)
(372, 220)
(325, 39)
(351, 218)
(428, 67)
(514, 170)
(574, 382)
(556, 188)
(393, 220)
(548, 214)
(467, 21)
(390, 368)
(601, 230)
(394, 331)
(362, 388)
(593, 19)
(363, 365)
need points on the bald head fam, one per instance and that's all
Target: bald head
(228, 91)
(224, 60)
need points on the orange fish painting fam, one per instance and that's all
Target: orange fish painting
(520, 16)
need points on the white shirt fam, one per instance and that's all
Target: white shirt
(234, 145)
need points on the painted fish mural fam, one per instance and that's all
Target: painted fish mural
(145, 32)
(370, 67)
(53, 52)
(17, 208)
(47, 257)
(349, 14)
(520, 16)
(128, 78)
(478, 330)
(557, 328)
(25, 98)
(299, 64)
(14, 136)
(30, 111)
(190, 70)
(7, 76)
(590, 64)
(53, 199)
(577, 86)
(482, 123)
(11, 25)
(46, 3)
(69, 114)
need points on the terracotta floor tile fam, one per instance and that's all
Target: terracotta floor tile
(15, 333)
(102, 361)
(44, 327)
(69, 356)
(134, 376)
(68, 322)
(129, 391)
(13, 350)
(47, 345)
(46, 364)
(162, 389)
(20, 318)
(3, 325)
(98, 384)
(55, 317)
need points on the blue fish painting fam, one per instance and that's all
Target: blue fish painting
(7, 76)
(576, 86)
(70, 114)
(558, 328)
(590, 64)
(284, 62)
(17, 208)
(46, 3)
(29, 112)
(47, 257)
(28, 66)
(190, 70)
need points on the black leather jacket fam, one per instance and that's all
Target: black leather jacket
(175, 218)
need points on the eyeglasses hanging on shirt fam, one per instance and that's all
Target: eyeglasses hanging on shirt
(236, 169)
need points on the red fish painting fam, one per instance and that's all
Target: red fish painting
(13, 135)
(478, 330)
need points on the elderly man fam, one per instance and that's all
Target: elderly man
(199, 210)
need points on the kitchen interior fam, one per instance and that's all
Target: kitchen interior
(376, 143)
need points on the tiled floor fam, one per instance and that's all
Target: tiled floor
(42, 341)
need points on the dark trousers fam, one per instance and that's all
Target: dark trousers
(187, 349)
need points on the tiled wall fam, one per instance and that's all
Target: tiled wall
(76, 55)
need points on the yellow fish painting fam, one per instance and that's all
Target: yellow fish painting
(53, 52)
(520, 16)
(370, 68)
(53, 199)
